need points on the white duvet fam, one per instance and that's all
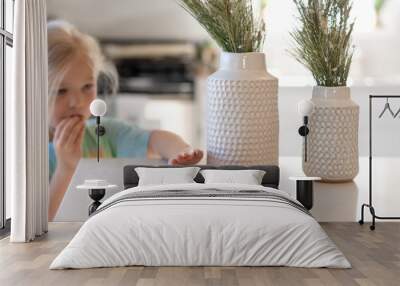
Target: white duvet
(200, 231)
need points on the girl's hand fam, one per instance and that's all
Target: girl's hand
(188, 156)
(67, 141)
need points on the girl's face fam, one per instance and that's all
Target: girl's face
(77, 90)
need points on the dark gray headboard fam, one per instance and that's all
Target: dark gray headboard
(270, 179)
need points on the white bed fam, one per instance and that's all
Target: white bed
(259, 226)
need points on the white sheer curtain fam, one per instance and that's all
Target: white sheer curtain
(26, 117)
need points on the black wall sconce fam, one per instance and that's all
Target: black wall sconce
(98, 108)
(305, 109)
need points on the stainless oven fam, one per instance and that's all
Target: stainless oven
(157, 84)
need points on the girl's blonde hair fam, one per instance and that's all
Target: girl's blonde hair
(65, 42)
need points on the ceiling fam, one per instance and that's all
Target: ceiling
(128, 19)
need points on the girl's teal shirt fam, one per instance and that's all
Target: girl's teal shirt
(121, 140)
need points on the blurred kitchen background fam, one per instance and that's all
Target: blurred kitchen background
(163, 57)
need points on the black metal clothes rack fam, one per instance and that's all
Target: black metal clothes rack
(370, 204)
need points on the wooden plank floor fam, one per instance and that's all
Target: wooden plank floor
(375, 257)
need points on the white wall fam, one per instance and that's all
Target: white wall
(342, 202)
(376, 50)
(376, 69)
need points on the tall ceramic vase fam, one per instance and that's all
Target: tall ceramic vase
(242, 112)
(333, 139)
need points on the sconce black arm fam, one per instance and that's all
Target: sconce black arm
(303, 131)
(100, 131)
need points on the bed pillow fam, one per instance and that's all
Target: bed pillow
(248, 177)
(163, 176)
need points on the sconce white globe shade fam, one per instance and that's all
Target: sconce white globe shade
(305, 107)
(98, 107)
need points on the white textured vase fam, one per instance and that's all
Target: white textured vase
(333, 139)
(242, 112)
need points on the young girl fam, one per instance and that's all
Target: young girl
(75, 61)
